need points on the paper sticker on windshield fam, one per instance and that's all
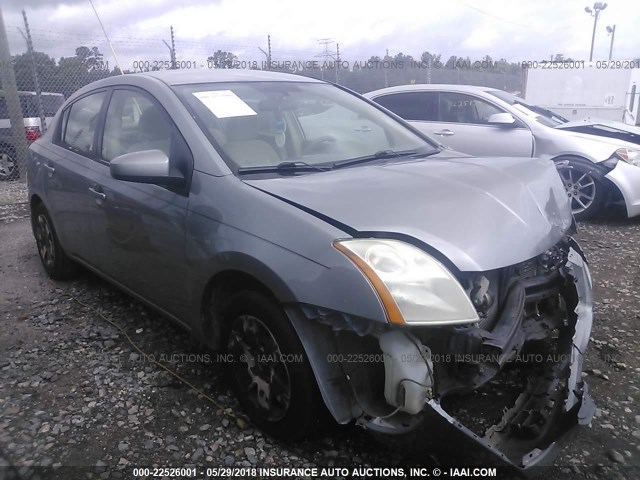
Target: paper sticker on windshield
(224, 103)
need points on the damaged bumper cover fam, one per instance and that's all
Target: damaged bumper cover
(553, 399)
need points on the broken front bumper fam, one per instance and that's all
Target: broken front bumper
(524, 435)
(550, 405)
(627, 178)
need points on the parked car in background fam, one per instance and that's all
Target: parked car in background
(343, 260)
(596, 170)
(33, 127)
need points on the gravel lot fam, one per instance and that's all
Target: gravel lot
(73, 390)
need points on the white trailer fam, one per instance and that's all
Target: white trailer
(587, 90)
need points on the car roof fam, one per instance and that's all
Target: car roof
(420, 87)
(182, 77)
(187, 77)
(195, 76)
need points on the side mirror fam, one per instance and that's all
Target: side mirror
(146, 166)
(502, 119)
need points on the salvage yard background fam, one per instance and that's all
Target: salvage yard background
(59, 62)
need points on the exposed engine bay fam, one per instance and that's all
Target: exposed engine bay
(510, 383)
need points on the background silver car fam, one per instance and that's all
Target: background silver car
(344, 262)
(483, 121)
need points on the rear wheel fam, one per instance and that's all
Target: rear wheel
(270, 374)
(8, 163)
(585, 187)
(52, 256)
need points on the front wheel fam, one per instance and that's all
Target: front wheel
(585, 187)
(270, 373)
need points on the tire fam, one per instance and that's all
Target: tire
(8, 163)
(54, 260)
(257, 331)
(585, 185)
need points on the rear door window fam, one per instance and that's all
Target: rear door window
(79, 133)
(463, 108)
(412, 105)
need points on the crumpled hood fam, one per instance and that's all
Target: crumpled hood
(605, 123)
(481, 213)
(599, 146)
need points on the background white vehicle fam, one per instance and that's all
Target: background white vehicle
(486, 122)
(593, 91)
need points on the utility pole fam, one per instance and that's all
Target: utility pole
(386, 79)
(337, 62)
(595, 13)
(172, 50)
(326, 42)
(34, 71)
(10, 89)
(267, 54)
(611, 31)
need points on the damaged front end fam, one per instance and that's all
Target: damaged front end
(509, 383)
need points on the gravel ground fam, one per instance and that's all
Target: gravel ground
(73, 390)
(13, 192)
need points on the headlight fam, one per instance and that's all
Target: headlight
(629, 155)
(413, 287)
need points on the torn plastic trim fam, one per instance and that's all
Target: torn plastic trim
(578, 269)
(316, 329)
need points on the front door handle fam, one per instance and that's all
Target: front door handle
(100, 196)
(444, 133)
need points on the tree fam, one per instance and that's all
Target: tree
(222, 59)
(402, 59)
(91, 58)
(45, 66)
(451, 63)
(436, 60)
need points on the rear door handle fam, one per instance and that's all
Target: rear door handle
(444, 133)
(50, 168)
(95, 191)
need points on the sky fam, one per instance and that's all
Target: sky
(516, 30)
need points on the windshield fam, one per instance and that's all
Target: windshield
(539, 114)
(266, 124)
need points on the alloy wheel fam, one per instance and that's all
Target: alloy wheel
(7, 165)
(45, 241)
(259, 367)
(580, 188)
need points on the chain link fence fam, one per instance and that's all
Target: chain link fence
(59, 63)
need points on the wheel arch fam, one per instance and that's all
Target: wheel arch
(613, 192)
(220, 288)
(34, 202)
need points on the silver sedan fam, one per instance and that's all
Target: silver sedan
(484, 121)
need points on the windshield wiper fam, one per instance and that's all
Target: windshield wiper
(382, 154)
(544, 112)
(284, 167)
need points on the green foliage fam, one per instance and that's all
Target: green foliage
(65, 76)
(222, 59)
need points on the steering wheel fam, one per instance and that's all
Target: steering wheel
(320, 144)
